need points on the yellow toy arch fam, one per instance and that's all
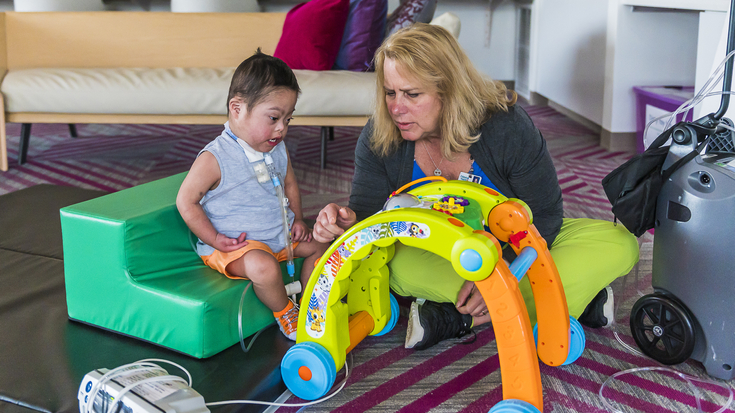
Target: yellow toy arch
(434, 220)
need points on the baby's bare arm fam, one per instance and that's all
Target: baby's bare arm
(299, 230)
(203, 176)
(291, 189)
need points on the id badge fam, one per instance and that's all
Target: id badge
(464, 176)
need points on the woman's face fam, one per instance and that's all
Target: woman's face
(414, 107)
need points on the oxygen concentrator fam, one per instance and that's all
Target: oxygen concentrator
(690, 314)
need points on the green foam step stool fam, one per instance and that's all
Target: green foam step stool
(129, 267)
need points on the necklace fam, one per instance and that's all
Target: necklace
(437, 171)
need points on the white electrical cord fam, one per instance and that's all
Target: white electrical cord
(687, 378)
(691, 103)
(146, 365)
(683, 376)
(239, 322)
(327, 397)
(141, 366)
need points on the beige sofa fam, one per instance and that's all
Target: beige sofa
(146, 67)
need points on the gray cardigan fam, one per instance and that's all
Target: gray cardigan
(511, 152)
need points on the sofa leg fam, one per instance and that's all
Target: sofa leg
(327, 134)
(25, 136)
(73, 130)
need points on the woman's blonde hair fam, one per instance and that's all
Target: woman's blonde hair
(433, 57)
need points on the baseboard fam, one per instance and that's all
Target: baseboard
(576, 117)
(618, 141)
(538, 100)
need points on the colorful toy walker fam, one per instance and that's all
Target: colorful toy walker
(448, 219)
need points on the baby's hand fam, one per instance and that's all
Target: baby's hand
(225, 244)
(300, 232)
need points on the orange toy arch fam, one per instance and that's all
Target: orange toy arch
(435, 232)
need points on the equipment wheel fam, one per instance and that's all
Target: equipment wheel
(394, 311)
(662, 328)
(308, 370)
(514, 406)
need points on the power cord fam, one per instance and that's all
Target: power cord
(327, 397)
(142, 366)
(705, 91)
(147, 366)
(685, 377)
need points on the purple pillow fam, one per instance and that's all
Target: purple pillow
(409, 12)
(312, 33)
(363, 35)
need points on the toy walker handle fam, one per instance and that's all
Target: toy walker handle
(414, 182)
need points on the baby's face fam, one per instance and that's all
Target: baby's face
(264, 126)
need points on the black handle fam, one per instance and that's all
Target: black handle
(727, 80)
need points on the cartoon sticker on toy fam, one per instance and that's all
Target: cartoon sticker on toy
(317, 310)
(317, 320)
(415, 231)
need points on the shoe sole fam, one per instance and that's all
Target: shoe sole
(414, 332)
(608, 309)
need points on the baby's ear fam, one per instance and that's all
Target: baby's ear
(237, 106)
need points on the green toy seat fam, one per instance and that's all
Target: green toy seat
(130, 267)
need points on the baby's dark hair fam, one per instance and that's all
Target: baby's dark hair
(258, 76)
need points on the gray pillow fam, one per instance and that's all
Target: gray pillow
(408, 13)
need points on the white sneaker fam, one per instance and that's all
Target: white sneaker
(415, 332)
(600, 312)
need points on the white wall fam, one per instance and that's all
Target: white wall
(712, 46)
(496, 58)
(645, 48)
(569, 50)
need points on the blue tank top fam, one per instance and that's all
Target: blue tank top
(474, 170)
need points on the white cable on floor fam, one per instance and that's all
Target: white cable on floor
(147, 365)
(344, 382)
(686, 377)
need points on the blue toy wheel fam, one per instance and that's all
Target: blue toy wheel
(308, 370)
(394, 311)
(514, 406)
(577, 341)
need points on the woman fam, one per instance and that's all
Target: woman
(437, 115)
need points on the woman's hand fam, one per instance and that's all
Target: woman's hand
(332, 222)
(225, 244)
(470, 301)
(300, 232)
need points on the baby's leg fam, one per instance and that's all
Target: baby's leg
(311, 252)
(265, 273)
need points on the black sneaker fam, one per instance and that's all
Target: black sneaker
(599, 312)
(430, 323)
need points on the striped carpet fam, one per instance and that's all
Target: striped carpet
(449, 377)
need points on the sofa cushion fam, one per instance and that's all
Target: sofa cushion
(449, 21)
(363, 35)
(176, 91)
(312, 34)
(335, 93)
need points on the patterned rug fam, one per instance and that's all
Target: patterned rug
(385, 377)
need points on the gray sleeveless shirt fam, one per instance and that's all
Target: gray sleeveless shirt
(241, 204)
